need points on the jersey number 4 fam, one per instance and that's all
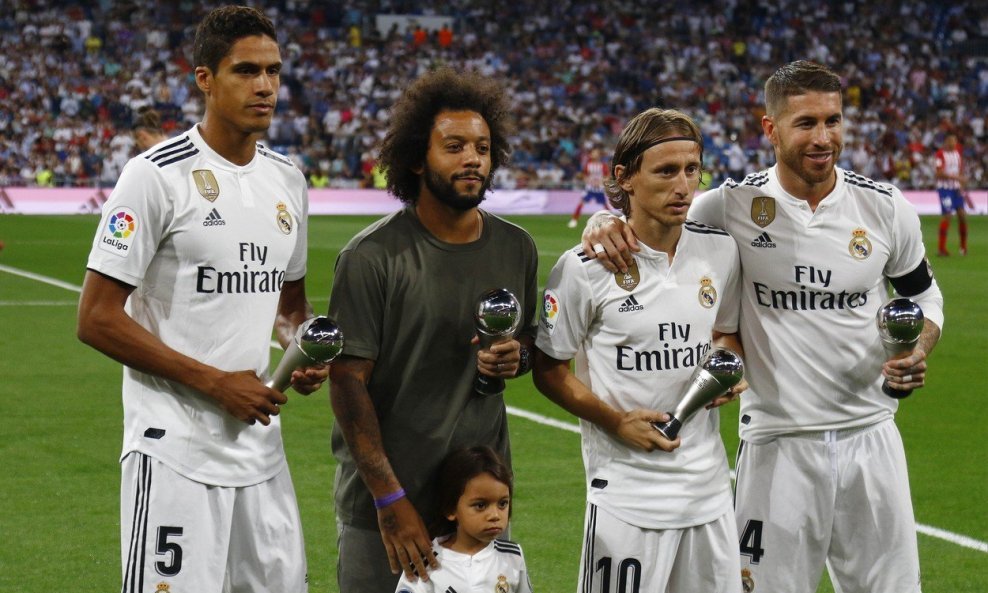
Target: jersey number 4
(751, 541)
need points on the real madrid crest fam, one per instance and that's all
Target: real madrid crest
(860, 245)
(707, 294)
(284, 219)
(206, 184)
(502, 584)
(630, 279)
(762, 210)
(747, 583)
(162, 588)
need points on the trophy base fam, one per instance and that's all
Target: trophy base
(670, 429)
(895, 393)
(485, 385)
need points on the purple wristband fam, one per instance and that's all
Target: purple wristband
(380, 503)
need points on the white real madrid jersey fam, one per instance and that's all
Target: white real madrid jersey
(498, 568)
(812, 285)
(636, 339)
(208, 245)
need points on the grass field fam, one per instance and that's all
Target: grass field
(59, 445)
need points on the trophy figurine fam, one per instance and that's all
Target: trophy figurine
(497, 318)
(900, 322)
(317, 341)
(719, 370)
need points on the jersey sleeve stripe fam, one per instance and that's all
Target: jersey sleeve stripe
(178, 158)
(859, 181)
(703, 229)
(274, 156)
(506, 547)
(166, 152)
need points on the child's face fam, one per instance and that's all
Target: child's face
(482, 511)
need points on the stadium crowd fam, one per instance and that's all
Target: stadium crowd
(73, 76)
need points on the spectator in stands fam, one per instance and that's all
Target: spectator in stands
(147, 129)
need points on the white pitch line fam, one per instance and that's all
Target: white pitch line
(40, 278)
(954, 538)
(948, 536)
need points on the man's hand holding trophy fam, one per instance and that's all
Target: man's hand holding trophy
(497, 317)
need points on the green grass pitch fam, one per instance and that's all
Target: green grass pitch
(60, 437)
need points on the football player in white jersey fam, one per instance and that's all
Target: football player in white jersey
(659, 513)
(200, 253)
(821, 474)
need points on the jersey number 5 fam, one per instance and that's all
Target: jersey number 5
(171, 567)
(751, 541)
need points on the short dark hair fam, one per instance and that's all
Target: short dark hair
(459, 467)
(798, 78)
(644, 131)
(223, 27)
(413, 116)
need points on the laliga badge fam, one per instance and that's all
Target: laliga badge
(206, 184)
(860, 246)
(119, 231)
(550, 310)
(630, 279)
(763, 210)
(707, 294)
(284, 219)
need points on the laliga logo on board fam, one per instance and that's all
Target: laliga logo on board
(120, 231)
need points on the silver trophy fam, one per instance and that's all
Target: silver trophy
(900, 322)
(317, 341)
(719, 370)
(497, 318)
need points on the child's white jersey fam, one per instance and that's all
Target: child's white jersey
(498, 568)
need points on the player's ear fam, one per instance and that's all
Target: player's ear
(620, 178)
(204, 78)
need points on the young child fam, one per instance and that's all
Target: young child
(475, 489)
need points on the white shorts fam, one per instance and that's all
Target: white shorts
(208, 539)
(622, 558)
(839, 498)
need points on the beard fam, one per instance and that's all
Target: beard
(793, 159)
(445, 192)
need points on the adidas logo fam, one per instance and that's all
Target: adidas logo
(630, 304)
(214, 219)
(763, 240)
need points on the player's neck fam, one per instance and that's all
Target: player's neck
(810, 192)
(464, 544)
(446, 223)
(233, 145)
(656, 234)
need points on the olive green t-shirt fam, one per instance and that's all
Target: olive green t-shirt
(405, 300)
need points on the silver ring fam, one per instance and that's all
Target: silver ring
(598, 248)
(907, 378)
(499, 367)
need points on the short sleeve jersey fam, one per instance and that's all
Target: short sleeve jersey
(498, 568)
(812, 284)
(636, 339)
(405, 300)
(949, 162)
(207, 246)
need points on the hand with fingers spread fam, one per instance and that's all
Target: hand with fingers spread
(406, 540)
